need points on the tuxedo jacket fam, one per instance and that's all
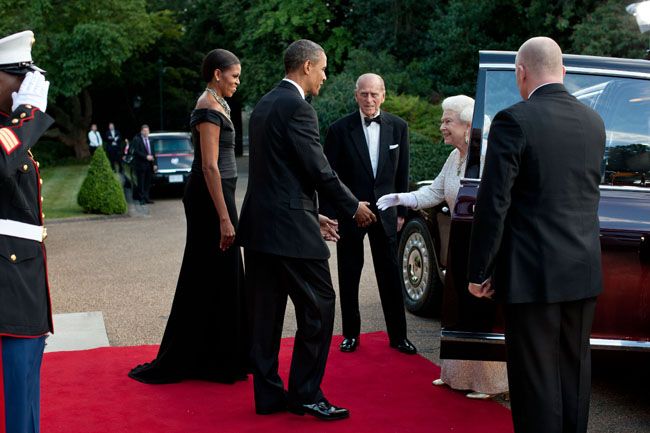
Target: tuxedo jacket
(139, 151)
(286, 169)
(113, 141)
(536, 226)
(346, 149)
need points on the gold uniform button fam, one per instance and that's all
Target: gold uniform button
(41, 199)
(42, 215)
(23, 115)
(25, 167)
(40, 181)
(29, 107)
(13, 258)
(38, 164)
(14, 121)
(44, 233)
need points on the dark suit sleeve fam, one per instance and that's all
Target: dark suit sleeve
(332, 151)
(402, 176)
(18, 134)
(138, 147)
(505, 145)
(303, 135)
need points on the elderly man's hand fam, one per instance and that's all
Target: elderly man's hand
(328, 228)
(483, 290)
(33, 91)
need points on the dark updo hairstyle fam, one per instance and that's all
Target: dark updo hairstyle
(217, 59)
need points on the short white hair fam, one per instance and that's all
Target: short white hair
(466, 114)
(458, 104)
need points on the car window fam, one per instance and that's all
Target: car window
(624, 105)
(172, 145)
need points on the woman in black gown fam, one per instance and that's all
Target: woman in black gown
(206, 336)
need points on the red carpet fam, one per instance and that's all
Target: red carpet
(88, 391)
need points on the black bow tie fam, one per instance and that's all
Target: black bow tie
(368, 120)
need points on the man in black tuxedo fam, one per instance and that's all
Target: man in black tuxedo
(144, 163)
(535, 241)
(369, 150)
(279, 229)
(114, 147)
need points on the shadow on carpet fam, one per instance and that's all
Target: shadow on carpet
(89, 391)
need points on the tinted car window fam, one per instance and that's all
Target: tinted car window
(624, 105)
(172, 145)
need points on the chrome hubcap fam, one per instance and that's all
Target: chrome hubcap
(415, 266)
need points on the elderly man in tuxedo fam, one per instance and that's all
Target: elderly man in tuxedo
(279, 229)
(369, 150)
(535, 241)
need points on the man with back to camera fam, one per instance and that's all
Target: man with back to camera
(279, 229)
(535, 241)
(369, 150)
(25, 310)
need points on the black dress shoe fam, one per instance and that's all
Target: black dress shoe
(404, 346)
(149, 201)
(349, 344)
(321, 410)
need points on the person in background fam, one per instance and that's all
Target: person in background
(114, 148)
(144, 163)
(369, 150)
(94, 139)
(483, 379)
(25, 308)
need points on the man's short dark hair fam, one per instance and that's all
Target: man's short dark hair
(299, 52)
(144, 126)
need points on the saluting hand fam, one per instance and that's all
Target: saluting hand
(33, 91)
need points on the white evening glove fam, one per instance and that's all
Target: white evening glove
(406, 199)
(33, 91)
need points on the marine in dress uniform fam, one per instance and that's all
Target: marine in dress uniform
(25, 309)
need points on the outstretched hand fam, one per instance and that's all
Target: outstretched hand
(406, 199)
(364, 216)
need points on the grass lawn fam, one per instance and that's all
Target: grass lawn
(60, 188)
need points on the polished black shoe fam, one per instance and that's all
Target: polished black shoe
(404, 346)
(321, 410)
(149, 201)
(349, 344)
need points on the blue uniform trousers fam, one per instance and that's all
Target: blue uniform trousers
(21, 374)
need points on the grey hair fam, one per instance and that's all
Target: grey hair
(467, 113)
(368, 76)
(299, 52)
(458, 104)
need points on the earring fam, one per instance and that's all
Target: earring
(466, 139)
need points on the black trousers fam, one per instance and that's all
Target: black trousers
(549, 365)
(270, 279)
(144, 175)
(350, 263)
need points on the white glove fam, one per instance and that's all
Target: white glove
(406, 199)
(33, 91)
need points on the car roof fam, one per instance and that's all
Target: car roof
(573, 62)
(169, 135)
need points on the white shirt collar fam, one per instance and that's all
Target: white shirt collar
(535, 89)
(302, 92)
(363, 116)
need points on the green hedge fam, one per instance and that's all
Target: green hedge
(427, 157)
(101, 192)
(50, 153)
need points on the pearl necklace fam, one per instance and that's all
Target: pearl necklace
(220, 100)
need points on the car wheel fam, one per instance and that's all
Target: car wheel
(421, 284)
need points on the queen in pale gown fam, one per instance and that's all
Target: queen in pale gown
(483, 379)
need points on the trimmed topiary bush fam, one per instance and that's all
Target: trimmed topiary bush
(101, 192)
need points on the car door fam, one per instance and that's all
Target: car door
(473, 328)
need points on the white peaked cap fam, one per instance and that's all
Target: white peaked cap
(16, 52)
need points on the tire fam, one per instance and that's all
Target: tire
(421, 283)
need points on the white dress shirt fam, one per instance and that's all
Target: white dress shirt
(372, 140)
(94, 138)
(302, 92)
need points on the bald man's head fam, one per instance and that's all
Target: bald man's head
(538, 61)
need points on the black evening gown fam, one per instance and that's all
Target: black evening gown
(206, 337)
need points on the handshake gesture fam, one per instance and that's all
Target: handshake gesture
(33, 91)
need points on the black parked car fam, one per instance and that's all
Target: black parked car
(174, 156)
(619, 90)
